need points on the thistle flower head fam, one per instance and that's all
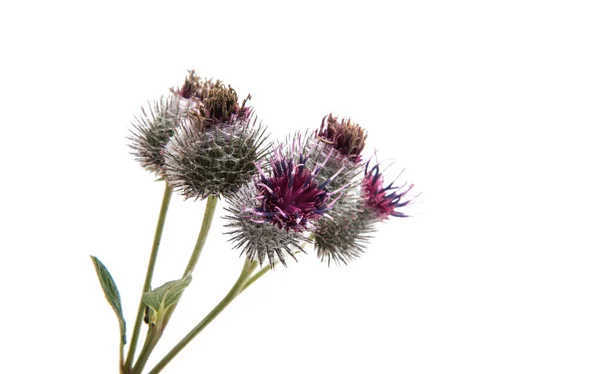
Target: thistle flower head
(284, 200)
(383, 201)
(340, 144)
(345, 136)
(343, 236)
(257, 239)
(214, 151)
(353, 219)
(290, 195)
(217, 160)
(153, 129)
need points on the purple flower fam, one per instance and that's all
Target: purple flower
(290, 196)
(383, 201)
(269, 217)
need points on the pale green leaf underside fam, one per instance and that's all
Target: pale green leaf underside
(168, 294)
(112, 294)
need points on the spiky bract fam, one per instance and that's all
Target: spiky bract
(215, 151)
(257, 239)
(217, 160)
(339, 142)
(343, 235)
(333, 166)
(153, 129)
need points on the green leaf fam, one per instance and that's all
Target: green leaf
(112, 294)
(165, 296)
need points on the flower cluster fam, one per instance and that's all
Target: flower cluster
(319, 187)
(201, 140)
(314, 189)
(206, 143)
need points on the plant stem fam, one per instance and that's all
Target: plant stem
(265, 270)
(121, 364)
(209, 212)
(149, 344)
(211, 205)
(237, 288)
(155, 332)
(149, 273)
(256, 277)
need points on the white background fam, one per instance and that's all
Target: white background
(491, 107)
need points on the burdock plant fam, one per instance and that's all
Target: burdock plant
(205, 143)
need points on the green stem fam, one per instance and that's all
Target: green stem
(211, 205)
(155, 332)
(237, 288)
(149, 273)
(149, 345)
(209, 212)
(264, 271)
(121, 364)
(256, 277)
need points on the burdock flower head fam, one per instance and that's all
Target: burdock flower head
(152, 131)
(381, 202)
(269, 215)
(353, 220)
(344, 234)
(214, 152)
(340, 142)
